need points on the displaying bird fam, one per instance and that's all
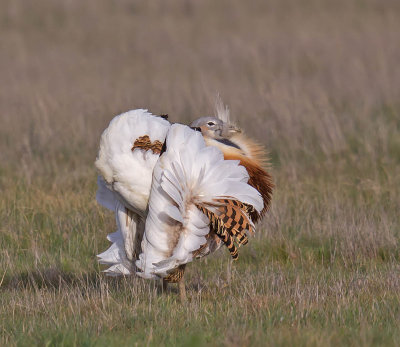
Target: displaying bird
(175, 195)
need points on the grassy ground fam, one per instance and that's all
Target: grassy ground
(317, 82)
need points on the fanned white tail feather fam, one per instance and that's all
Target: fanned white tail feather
(187, 174)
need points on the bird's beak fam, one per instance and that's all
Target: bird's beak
(233, 129)
(229, 130)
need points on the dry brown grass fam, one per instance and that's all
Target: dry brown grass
(317, 82)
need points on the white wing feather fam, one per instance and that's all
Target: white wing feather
(125, 181)
(115, 256)
(120, 254)
(129, 173)
(188, 173)
(104, 196)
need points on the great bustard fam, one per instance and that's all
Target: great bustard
(175, 195)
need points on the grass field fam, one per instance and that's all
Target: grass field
(317, 82)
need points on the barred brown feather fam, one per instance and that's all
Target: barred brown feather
(254, 158)
(229, 222)
(176, 275)
(144, 142)
(259, 179)
(234, 216)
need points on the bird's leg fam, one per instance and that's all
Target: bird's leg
(164, 285)
(229, 271)
(182, 289)
(177, 276)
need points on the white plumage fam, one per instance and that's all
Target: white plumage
(174, 197)
(123, 242)
(125, 180)
(129, 173)
(188, 174)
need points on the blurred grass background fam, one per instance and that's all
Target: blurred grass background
(317, 82)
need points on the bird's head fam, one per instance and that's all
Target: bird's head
(215, 128)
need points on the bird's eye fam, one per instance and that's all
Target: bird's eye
(210, 123)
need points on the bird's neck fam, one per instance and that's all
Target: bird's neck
(239, 147)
